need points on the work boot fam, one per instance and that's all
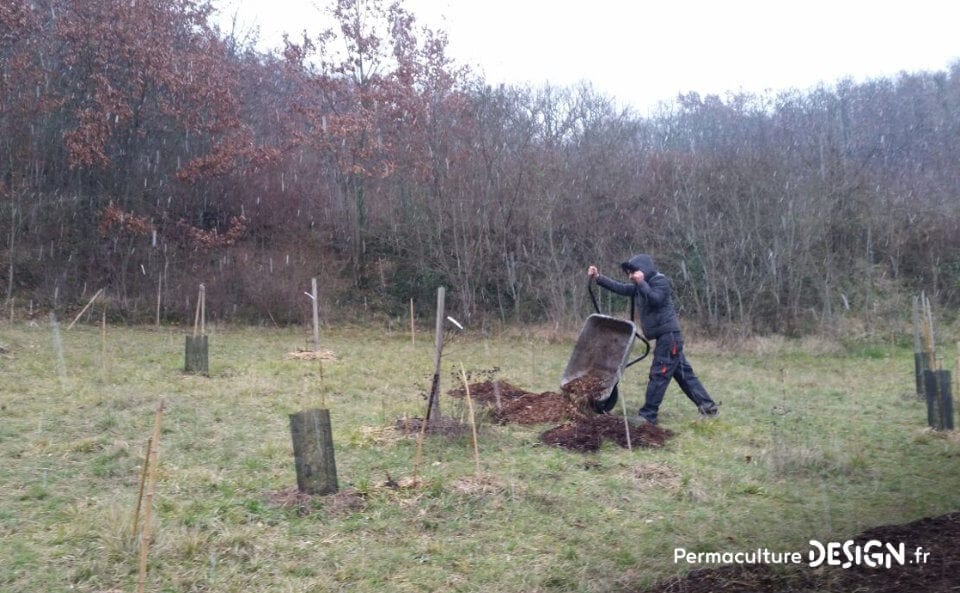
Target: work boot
(708, 411)
(638, 421)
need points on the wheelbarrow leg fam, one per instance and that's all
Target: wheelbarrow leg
(604, 407)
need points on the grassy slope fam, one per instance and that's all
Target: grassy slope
(807, 447)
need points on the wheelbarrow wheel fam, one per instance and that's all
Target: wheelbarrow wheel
(603, 407)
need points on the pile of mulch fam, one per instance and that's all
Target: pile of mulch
(584, 391)
(939, 536)
(536, 408)
(580, 429)
(589, 433)
(487, 392)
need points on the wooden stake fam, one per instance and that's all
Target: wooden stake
(413, 340)
(928, 333)
(916, 325)
(316, 315)
(626, 424)
(203, 310)
(196, 316)
(103, 343)
(433, 404)
(159, 295)
(473, 424)
(145, 535)
(84, 310)
(143, 480)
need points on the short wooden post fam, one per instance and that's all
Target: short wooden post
(930, 394)
(939, 399)
(197, 355)
(313, 451)
(946, 400)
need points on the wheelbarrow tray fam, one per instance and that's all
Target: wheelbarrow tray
(601, 350)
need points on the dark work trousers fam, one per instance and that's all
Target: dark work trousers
(669, 363)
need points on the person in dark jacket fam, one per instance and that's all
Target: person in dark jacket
(651, 295)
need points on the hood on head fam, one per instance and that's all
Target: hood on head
(642, 262)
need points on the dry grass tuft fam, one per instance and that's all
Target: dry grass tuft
(478, 484)
(655, 475)
(312, 355)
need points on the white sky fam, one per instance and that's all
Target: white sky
(645, 51)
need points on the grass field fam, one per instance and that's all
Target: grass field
(813, 442)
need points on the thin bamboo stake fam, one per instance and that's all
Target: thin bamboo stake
(626, 424)
(159, 294)
(315, 296)
(143, 480)
(203, 310)
(84, 310)
(103, 343)
(196, 317)
(916, 325)
(146, 532)
(473, 424)
(418, 456)
(929, 333)
(413, 339)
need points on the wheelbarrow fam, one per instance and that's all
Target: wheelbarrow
(601, 353)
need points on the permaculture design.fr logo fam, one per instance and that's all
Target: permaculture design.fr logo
(872, 554)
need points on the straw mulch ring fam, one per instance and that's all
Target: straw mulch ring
(444, 425)
(345, 501)
(312, 355)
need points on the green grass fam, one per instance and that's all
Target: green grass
(808, 446)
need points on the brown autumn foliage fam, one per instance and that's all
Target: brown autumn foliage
(364, 155)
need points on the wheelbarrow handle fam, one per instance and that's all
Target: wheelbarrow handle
(596, 307)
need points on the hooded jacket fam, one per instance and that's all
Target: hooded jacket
(652, 298)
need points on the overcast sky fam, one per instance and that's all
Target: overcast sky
(645, 51)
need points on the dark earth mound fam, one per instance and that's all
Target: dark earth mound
(487, 392)
(580, 428)
(588, 434)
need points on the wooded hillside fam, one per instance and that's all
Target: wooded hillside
(141, 148)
